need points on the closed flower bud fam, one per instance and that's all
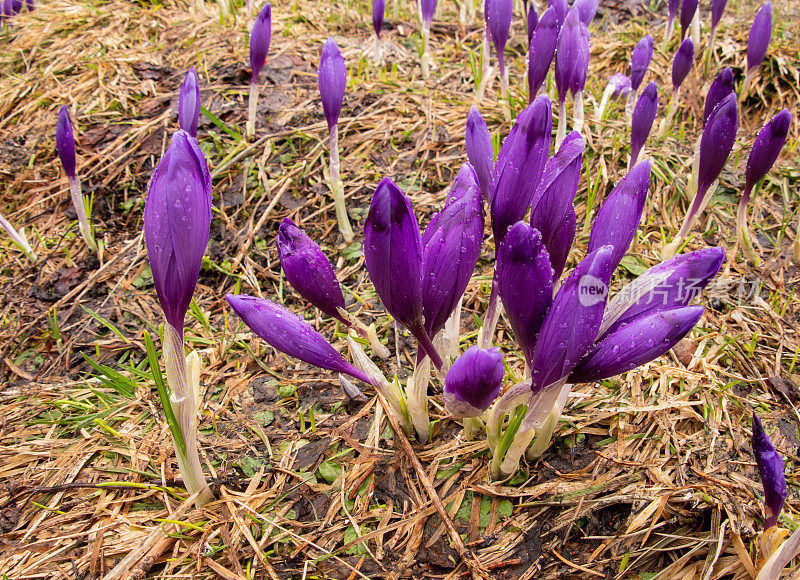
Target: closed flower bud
(65, 141)
(640, 60)
(260, 37)
(189, 103)
(332, 80)
(760, 36)
(770, 468)
(473, 382)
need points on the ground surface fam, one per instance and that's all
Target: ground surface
(648, 473)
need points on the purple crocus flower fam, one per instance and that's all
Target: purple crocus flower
(636, 343)
(532, 21)
(189, 103)
(177, 222)
(393, 256)
(480, 151)
(552, 211)
(260, 37)
(519, 166)
(65, 142)
(619, 216)
(332, 80)
(308, 270)
(770, 469)
(427, 9)
(717, 9)
(587, 10)
(378, 10)
(499, 19)
(571, 324)
(688, 8)
(525, 283)
(719, 134)
(473, 382)
(642, 120)
(766, 148)
(760, 36)
(640, 60)
(621, 85)
(682, 63)
(290, 334)
(541, 51)
(451, 246)
(671, 284)
(722, 86)
(672, 12)
(572, 56)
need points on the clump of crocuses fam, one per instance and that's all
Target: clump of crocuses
(332, 81)
(177, 223)
(260, 37)
(65, 145)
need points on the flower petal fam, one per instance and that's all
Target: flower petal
(473, 382)
(480, 151)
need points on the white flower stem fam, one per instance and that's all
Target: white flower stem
(183, 399)
(543, 435)
(417, 399)
(745, 87)
(486, 69)
(426, 72)
(337, 188)
(630, 105)
(601, 108)
(577, 114)
(666, 122)
(561, 132)
(486, 333)
(506, 106)
(80, 208)
(710, 49)
(742, 234)
(252, 107)
(378, 55)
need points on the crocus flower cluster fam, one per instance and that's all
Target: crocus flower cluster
(65, 145)
(766, 148)
(260, 36)
(332, 81)
(571, 68)
(177, 223)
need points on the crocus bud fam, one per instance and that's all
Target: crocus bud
(519, 166)
(290, 334)
(671, 284)
(721, 87)
(688, 8)
(621, 85)
(767, 147)
(177, 222)
(532, 21)
(586, 9)
(499, 19)
(308, 270)
(427, 9)
(480, 151)
(682, 63)
(716, 143)
(378, 10)
(640, 60)
(642, 119)
(760, 35)
(189, 103)
(65, 142)
(646, 338)
(525, 283)
(451, 246)
(473, 382)
(572, 56)
(717, 8)
(619, 216)
(770, 468)
(552, 211)
(260, 37)
(571, 324)
(332, 79)
(541, 51)
(393, 253)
